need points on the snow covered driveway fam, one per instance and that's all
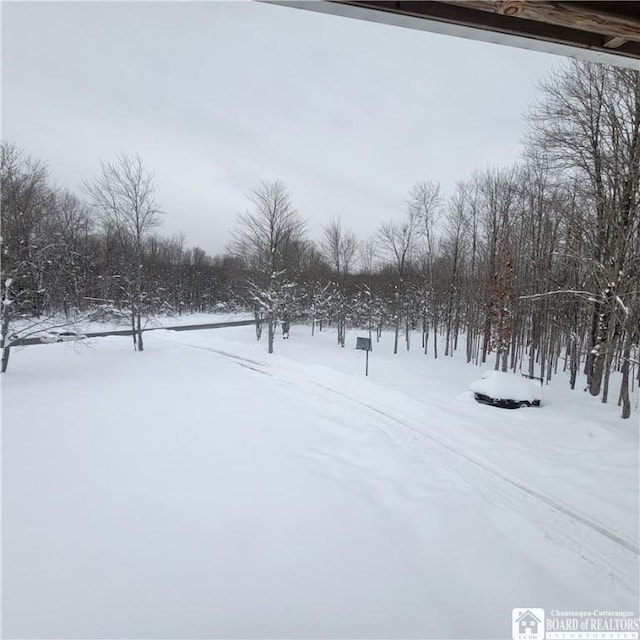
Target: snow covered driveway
(205, 489)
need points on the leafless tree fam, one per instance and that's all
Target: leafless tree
(397, 241)
(124, 196)
(26, 244)
(588, 120)
(453, 249)
(424, 202)
(339, 246)
(262, 237)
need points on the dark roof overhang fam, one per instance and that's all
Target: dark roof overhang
(607, 32)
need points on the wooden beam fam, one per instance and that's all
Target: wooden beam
(574, 15)
(510, 7)
(459, 18)
(614, 43)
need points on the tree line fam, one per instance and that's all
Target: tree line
(536, 265)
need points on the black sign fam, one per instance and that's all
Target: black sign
(363, 343)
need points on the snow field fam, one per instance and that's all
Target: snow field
(206, 489)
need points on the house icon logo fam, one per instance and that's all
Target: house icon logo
(527, 624)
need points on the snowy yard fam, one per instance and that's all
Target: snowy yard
(203, 489)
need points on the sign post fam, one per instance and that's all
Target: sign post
(365, 345)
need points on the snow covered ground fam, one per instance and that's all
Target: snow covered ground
(204, 489)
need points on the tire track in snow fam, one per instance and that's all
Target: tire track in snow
(567, 527)
(596, 544)
(246, 363)
(617, 556)
(627, 544)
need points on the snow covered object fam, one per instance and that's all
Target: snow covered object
(61, 336)
(506, 390)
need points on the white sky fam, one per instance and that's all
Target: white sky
(216, 96)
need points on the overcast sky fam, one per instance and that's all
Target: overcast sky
(216, 96)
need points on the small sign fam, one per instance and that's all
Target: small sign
(363, 343)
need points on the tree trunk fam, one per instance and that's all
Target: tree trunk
(4, 337)
(596, 368)
(486, 337)
(447, 335)
(573, 363)
(435, 338)
(6, 352)
(605, 385)
(504, 358)
(470, 341)
(397, 332)
(426, 336)
(133, 327)
(139, 328)
(271, 332)
(624, 387)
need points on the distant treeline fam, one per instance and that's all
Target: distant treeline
(538, 264)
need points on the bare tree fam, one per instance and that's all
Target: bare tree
(367, 256)
(588, 120)
(424, 202)
(26, 245)
(262, 238)
(453, 246)
(397, 242)
(69, 272)
(26, 208)
(339, 246)
(124, 196)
